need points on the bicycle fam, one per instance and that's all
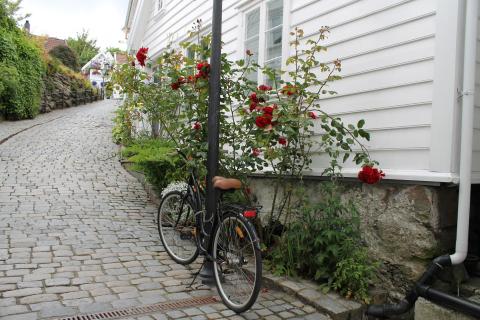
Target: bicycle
(235, 246)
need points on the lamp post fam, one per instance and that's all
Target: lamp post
(106, 67)
(206, 274)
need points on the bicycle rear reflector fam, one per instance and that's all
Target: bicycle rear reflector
(250, 213)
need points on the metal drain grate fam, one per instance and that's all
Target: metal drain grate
(133, 311)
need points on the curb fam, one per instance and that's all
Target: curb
(151, 192)
(337, 307)
(334, 305)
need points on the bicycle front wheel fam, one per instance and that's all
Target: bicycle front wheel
(177, 227)
(237, 262)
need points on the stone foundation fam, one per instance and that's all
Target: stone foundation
(404, 225)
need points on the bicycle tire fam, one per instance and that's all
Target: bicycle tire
(221, 267)
(184, 230)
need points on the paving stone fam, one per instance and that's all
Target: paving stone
(45, 297)
(5, 311)
(57, 282)
(23, 316)
(78, 232)
(21, 292)
(61, 289)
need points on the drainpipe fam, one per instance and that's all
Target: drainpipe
(422, 286)
(468, 97)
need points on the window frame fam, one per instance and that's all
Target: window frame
(262, 37)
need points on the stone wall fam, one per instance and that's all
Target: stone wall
(404, 225)
(64, 91)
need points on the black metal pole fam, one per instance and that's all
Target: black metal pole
(206, 274)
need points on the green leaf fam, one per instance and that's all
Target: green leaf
(360, 123)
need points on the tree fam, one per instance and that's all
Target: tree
(114, 50)
(12, 7)
(66, 55)
(84, 47)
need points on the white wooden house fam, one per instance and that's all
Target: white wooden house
(96, 67)
(402, 66)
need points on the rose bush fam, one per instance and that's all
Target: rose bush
(273, 128)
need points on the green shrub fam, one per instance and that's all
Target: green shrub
(156, 159)
(22, 63)
(122, 128)
(323, 243)
(66, 55)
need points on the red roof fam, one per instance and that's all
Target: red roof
(51, 43)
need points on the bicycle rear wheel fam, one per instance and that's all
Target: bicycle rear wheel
(177, 227)
(237, 262)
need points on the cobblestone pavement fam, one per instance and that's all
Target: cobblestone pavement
(77, 233)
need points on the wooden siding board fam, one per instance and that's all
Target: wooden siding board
(388, 51)
(413, 159)
(401, 95)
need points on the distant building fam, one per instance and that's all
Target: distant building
(51, 43)
(96, 69)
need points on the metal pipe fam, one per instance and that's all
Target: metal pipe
(206, 274)
(422, 287)
(468, 96)
(450, 301)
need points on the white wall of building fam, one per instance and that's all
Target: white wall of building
(401, 64)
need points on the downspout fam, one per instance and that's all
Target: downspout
(468, 101)
(422, 286)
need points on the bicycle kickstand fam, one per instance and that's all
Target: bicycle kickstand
(196, 274)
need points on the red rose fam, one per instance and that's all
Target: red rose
(312, 115)
(190, 79)
(268, 110)
(197, 126)
(370, 175)
(263, 87)
(181, 80)
(253, 97)
(263, 121)
(282, 140)
(142, 56)
(253, 106)
(203, 70)
(175, 86)
(255, 152)
(289, 90)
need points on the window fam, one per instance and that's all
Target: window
(252, 38)
(273, 35)
(263, 36)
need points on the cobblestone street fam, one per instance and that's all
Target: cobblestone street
(77, 232)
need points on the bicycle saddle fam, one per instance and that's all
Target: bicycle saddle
(223, 183)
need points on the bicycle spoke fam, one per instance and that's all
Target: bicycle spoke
(235, 255)
(177, 227)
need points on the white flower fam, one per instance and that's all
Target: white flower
(175, 186)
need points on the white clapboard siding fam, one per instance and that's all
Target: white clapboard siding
(179, 17)
(388, 54)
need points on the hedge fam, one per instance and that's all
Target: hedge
(22, 68)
